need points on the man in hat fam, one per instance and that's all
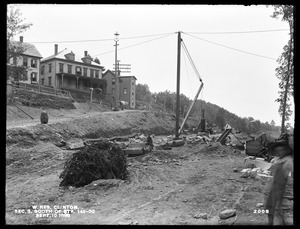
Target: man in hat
(282, 171)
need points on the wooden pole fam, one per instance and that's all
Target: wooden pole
(178, 85)
(116, 71)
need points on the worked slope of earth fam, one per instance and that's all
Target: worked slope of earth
(164, 186)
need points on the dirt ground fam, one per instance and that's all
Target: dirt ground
(16, 118)
(165, 187)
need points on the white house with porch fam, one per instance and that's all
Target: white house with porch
(66, 70)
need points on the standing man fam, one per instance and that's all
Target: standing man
(282, 172)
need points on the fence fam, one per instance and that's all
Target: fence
(43, 89)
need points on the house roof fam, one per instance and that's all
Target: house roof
(61, 55)
(31, 50)
(107, 71)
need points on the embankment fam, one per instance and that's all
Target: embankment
(106, 124)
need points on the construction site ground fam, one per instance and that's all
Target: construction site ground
(165, 187)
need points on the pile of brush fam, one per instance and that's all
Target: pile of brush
(100, 160)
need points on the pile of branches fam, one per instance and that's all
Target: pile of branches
(100, 160)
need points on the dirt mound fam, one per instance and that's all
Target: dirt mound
(217, 149)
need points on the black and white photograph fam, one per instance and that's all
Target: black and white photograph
(149, 114)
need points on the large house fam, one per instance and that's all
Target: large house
(30, 58)
(126, 87)
(65, 70)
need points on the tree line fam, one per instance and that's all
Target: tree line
(215, 116)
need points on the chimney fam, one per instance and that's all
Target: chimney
(55, 49)
(21, 39)
(85, 53)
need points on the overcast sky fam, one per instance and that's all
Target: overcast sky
(242, 83)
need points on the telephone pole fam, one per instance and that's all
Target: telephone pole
(116, 71)
(178, 85)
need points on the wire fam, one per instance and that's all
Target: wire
(134, 45)
(230, 47)
(78, 41)
(108, 39)
(192, 63)
(145, 36)
(187, 72)
(236, 32)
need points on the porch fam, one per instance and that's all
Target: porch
(78, 82)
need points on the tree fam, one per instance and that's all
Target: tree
(272, 123)
(169, 104)
(285, 71)
(17, 72)
(220, 120)
(15, 26)
(141, 91)
(147, 98)
(184, 104)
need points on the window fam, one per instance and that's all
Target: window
(49, 81)
(43, 70)
(97, 74)
(132, 93)
(33, 77)
(43, 81)
(125, 91)
(70, 69)
(33, 63)
(14, 60)
(92, 72)
(113, 81)
(50, 68)
(113, 91)
(78, 70)
(85, 71)
(61, 67)
(25, 61)
(133, 83)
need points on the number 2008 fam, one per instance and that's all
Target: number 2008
(261, 211)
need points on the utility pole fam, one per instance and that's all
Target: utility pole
(178, 85)
(287, 82)
(116, 71)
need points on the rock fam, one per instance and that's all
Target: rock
(200, 216)
(71, 188)
(235, 170)
(250, 165)
(259, 205)
(74, 144)
(227, 213)
(135, 223)
(51, 199)
(203, 215)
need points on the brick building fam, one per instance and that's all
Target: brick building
(127, 86)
